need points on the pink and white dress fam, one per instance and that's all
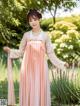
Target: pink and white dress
(34, 80)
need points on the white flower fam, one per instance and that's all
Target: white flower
(65, 56)
(70, 47)
(54, 46)
(63, 45)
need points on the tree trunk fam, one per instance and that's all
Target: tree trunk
(54, 16)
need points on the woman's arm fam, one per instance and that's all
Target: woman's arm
(17, 53)
(52, 56)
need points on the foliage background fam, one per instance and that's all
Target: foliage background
(64, 34)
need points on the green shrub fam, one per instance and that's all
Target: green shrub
(76, 21)
(45, 24)
(66, 41)
(64, 26)
(56, 34)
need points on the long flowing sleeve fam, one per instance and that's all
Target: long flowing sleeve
(52, 56)
(13, 54)
(17, 53)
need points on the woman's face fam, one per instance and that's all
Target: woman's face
(34, 22)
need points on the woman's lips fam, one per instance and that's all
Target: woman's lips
(34, 25)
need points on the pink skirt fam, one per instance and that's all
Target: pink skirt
(34, 81)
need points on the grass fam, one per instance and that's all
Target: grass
(65, 87)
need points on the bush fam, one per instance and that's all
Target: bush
(76, 21)
(64, 26)
(56, 34)
(66, 41)
(45, 24)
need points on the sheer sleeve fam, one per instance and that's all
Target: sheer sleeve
(17, 53)
(52, 56)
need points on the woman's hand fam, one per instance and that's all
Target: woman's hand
(6, 49)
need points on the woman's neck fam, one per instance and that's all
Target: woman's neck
(36, 30)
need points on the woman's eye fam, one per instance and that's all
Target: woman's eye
(34, 19)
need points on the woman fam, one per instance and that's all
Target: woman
(34, 81)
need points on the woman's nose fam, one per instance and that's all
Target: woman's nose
(33, 21)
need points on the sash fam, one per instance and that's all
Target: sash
(11, 94)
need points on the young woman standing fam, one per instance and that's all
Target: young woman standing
(34, 80)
